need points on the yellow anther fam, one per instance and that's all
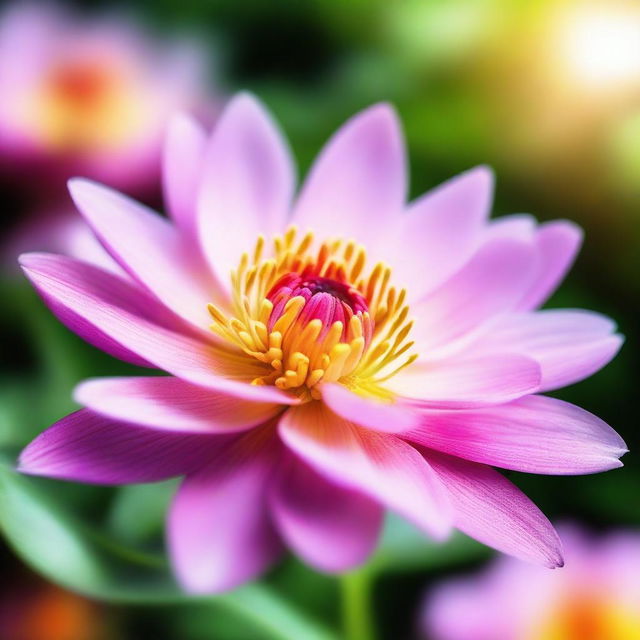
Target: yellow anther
(358, 265)
(305, 243)
(275, 340)
(291, 311)
(248, 341)
(259, 248)
(357, 349)
(290, 235)
(338, 356)
(355, 327)
(314, 377)
(217, 315)
(349, 249)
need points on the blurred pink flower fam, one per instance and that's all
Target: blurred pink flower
(315, 401)
(88, 97)
(595, 597)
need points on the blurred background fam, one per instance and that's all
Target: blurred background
(545, 91)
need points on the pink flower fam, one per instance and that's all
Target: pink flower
(596, 597)
(90, 97)
(305, 400)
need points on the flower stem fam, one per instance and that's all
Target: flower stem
(357, 620)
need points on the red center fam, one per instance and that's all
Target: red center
(327, 300)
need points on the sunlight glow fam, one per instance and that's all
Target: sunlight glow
(602, 45)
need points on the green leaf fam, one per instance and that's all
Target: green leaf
(404, 548)
(138, 511)
(71, 554)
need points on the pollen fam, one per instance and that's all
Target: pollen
(313, 313)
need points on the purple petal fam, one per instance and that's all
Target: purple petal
(149, 248)
(535, 434)
(569, 345)
(440, 231)
(219, 530)
(358, 182)
(86, 447)
(247, 184)
(491, 509)
(491, 283)
(558, 243)
(332, 528)
(183, 159)
(379, 465)
(198, 362)
(47, 272)
(460, 384)
(171, 404)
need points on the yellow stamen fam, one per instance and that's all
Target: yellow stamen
(298, 353)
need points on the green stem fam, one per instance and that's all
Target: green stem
(357, 620)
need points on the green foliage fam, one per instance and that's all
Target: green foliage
(71, 554)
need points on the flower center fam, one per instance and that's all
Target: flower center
(587, 616)
(84, 105)
(326, 300)
(315, 315)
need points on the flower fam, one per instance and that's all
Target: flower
(35, 610)
(595, 598)
(88, 96)
(302, 398)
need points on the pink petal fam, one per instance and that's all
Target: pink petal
(247, 184)
(379, 465)
(535, 434)
(358, 182)
(219, 530)
(332, 528)
(484, 380)
(518, 226)
(491, 283)
(86, 447)
(183, 160)
(440, 231)
(569, 345)
(171, 404)
(149, 248)
(71, 297)
(491, 509)
(558, 244)
(367, 412)
(45, 271)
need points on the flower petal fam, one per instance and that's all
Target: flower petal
(569, 345)
(332, 528)
(367, 412)
(473, 382)
(440, 231)
(358, 182)
(200, 363)
(518, 226)
(379, 465)
(82, 278)
(171, 404)
(182, 163)
(219, 530)
(558, 243)
(491, 283)
(247, 184)
(535, 434)
(86, 447)
(491, 509)
(149, 248)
